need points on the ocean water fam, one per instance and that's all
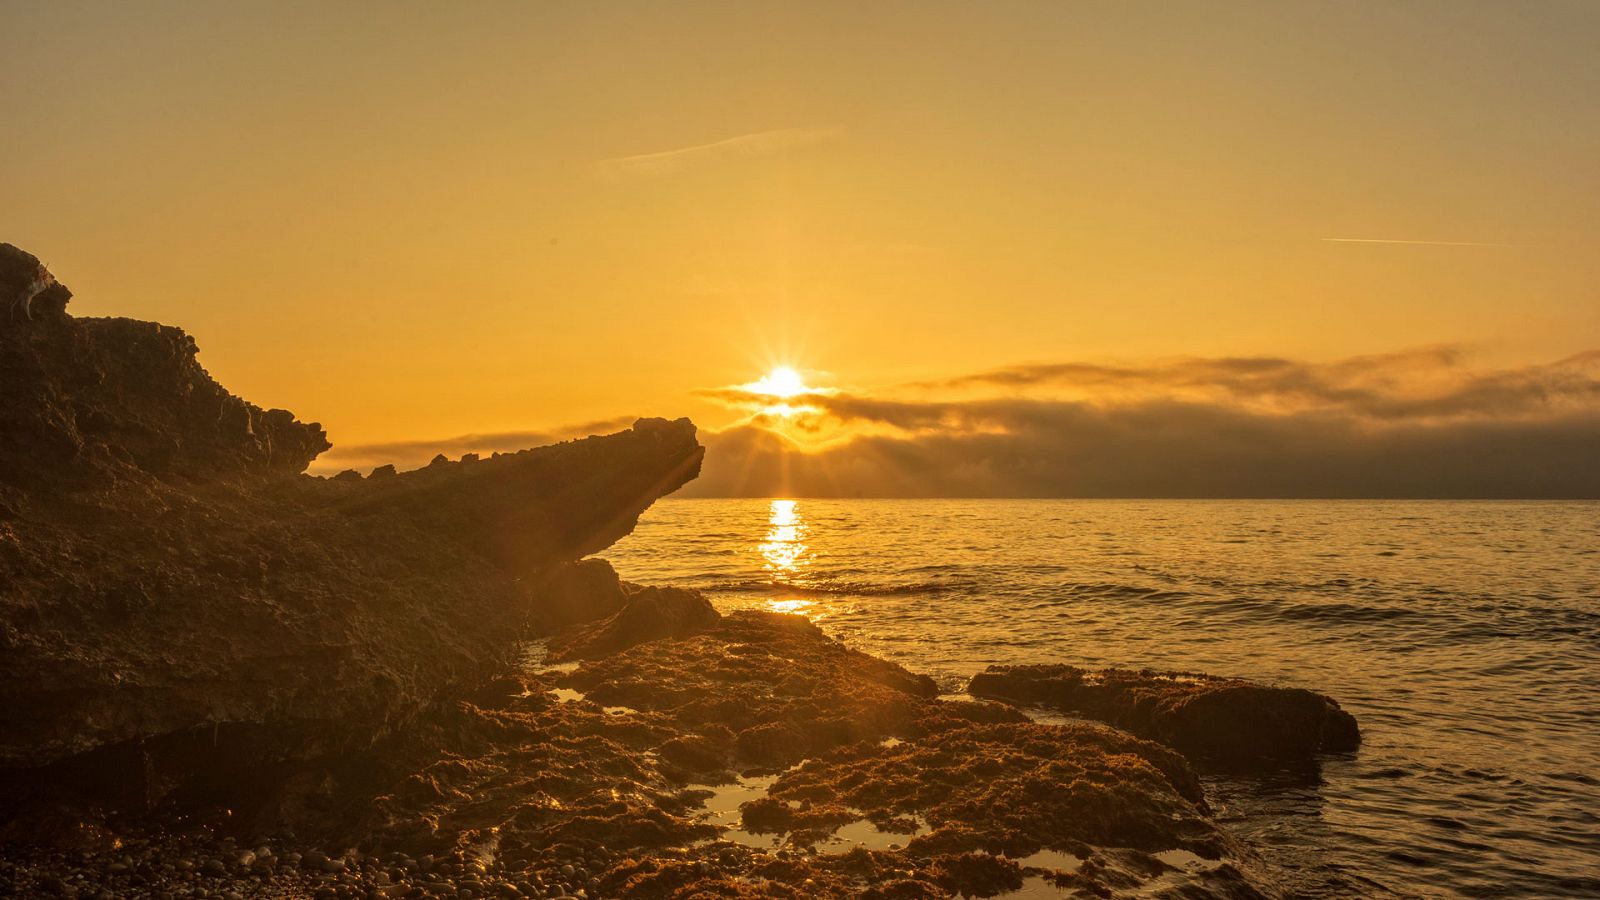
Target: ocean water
(1464, 636)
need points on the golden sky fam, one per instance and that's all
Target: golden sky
(416, 221)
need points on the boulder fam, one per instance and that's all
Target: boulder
(649, 614)
(1222, 720)
(575, 593)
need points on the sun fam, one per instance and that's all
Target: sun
(782, 381)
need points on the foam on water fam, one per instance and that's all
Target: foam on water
(1462, 635)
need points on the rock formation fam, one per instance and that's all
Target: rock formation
(1220, 720)
(171, 587)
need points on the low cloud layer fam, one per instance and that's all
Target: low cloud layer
(1413, 424)
(1416, 424)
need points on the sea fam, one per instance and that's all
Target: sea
(1464, 637)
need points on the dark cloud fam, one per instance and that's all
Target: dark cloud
(1415, 424)
(1168, 450)
(1430, 381)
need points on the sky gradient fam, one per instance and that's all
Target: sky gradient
(418, 222)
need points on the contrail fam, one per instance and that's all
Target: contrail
(762, 142)
(1428, 243)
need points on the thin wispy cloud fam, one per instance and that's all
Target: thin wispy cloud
(761, 143)
(1333, 240)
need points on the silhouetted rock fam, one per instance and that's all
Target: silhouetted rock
(172, 590)
(1205, 717)
(525, 510)
(23, 280)
(89, 401)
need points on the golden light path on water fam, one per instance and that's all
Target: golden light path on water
(784, 553)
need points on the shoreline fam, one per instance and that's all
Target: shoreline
(666, 705)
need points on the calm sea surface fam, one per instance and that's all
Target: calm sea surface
(1464, 636)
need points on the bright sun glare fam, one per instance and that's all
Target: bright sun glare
(782, 381)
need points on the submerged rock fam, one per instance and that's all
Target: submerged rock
(1224, 720)
(178, 598)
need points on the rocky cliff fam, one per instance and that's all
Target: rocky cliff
(171, 587)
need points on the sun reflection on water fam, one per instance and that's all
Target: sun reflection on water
(784, 552)
(784, 549)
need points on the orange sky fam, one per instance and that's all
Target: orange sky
(414, 221)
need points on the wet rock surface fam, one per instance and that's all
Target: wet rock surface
(1225, 721)
(840, 775)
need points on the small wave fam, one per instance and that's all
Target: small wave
(1115, 590)
(856, 588)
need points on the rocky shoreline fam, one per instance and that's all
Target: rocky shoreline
(227, 679)
(852, 778)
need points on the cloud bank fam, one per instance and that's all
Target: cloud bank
(1418, 424)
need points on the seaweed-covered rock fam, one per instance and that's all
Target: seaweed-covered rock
(966, 798)
(1224, 720)
(775, 682)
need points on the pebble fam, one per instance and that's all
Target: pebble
(214, 868)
